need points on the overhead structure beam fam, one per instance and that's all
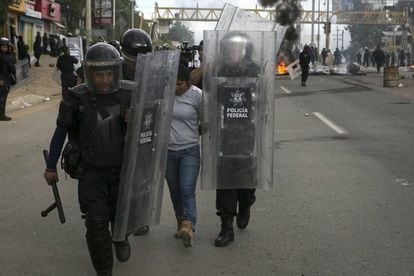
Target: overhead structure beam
(338, 17)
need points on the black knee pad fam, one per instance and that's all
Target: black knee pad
(96, 224)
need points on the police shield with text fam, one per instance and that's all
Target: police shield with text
(134, 42)
(238, 118)
(93, 115)
(236, 19)
(143, 169)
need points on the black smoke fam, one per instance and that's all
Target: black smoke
(288, 13)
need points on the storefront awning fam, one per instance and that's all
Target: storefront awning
(59, 25)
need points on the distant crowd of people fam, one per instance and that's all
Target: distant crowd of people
(378, 57)
(321, 57)
(50, 44)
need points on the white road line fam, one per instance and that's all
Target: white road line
(284, 89)
(330, 124)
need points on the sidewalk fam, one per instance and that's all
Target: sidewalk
(38, 88)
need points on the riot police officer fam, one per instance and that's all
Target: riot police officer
(134, 42)
(304, 60)
(65, 63)
(7, 70)
(236, 62)
(93, 115)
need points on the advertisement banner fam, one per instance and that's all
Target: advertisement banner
(102, 14)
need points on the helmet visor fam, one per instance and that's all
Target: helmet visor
(103, 77)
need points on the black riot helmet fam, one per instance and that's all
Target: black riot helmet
(235, 47)
(102, 68)
(115, 43)
(134, 42)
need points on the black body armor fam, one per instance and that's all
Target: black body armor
(97, 121)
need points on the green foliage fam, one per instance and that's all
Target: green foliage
(4, 6)
(71, 13)
(73, 10)
(364, 35)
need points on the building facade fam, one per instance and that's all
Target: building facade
(29, 17)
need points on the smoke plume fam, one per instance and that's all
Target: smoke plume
(287, 14)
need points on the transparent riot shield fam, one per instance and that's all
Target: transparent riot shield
(145, 156)
(235, 19)
(76, 49)
(238, 109)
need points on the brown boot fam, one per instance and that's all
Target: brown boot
(179, 226)
(186, 233)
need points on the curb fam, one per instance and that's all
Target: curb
(25, 101)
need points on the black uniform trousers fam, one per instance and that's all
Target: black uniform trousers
(68, 80)
(97, 192)
(4, 91)
(305, 72)
(227, 199)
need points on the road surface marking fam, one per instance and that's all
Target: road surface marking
(329, 123)
(284, 89)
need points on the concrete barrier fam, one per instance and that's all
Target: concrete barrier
(23, 71)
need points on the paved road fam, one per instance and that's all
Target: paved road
(342, 202)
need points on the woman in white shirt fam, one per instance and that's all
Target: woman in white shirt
(183, 162)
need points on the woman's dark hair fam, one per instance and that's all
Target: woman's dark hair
(183, 73)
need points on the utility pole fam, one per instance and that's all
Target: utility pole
(113, 17)
(313, 21)
(132, 13)
(319, 21)
(327, 24)
(88, 23)
(337, 36)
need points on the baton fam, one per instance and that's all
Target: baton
(57, 204)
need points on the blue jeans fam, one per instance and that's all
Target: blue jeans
(182, 172)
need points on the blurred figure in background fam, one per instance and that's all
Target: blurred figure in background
(379, 58)
(304, 60)
(37, 49)
(65, 63)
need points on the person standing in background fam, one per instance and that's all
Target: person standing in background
(65, 63)
(37, 49)
(304, 60)
(6, 71)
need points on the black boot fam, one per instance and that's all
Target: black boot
(104, 273)
(3, 116)
(122, 250)
(226, 235)
(99, 242)
(243, 218)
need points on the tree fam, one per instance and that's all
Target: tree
(72, 11)
(4, 8)
(179, 32)
(364, 35)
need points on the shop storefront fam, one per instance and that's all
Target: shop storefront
(16, 8)
(50, 11)
(30, 24)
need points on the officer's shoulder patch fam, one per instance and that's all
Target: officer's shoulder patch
(127, 84)
(78, 90)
